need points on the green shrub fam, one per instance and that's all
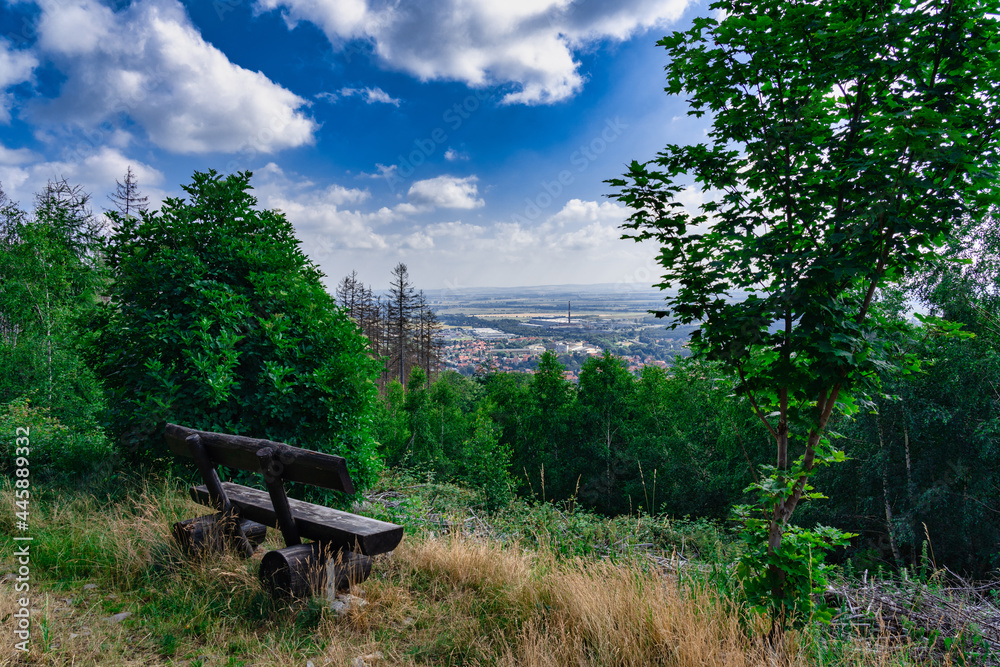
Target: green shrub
(57, 452)
(218, 321)
(487, 461)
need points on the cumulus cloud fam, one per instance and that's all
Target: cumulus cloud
(451, 155)
(13, 156)
(529, 45)
(15, 67)
(331, 219)
(327, 226)
(319, 214)
(581, 230)
(419, 240)
(580, 243)
(150, 64)
(455, 229)
(23, 175)
(342, 230)
(446, 192)
(103, 167)
(579, 211)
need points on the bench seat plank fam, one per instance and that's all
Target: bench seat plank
(237, 451)
(315, 522)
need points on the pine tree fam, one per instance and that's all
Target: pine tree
(401, 302)
(50, 274)
(127, 198)
(349, 296)
(401, 330)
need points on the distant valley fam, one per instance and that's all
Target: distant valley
(508, 328)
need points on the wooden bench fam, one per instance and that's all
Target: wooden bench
(342, 543)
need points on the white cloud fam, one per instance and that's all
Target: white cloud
(343, 18)
(528, 43)
(418, 240)
(15, 67)
(74, 28)
(579, 211)
(150, 63)
(326, 226)
(593, 236)
(405, 208)
(579, 243)
(13, 180)
(317, 213)
(386, 172)
(510, 238)
(342, 230)
(455, 229)
(104, 166)
(14, 156)
(446, 192)
(272, 181)
(22, 177)
(452, 155)
(370, 95)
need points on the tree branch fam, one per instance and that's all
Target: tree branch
(753, 404)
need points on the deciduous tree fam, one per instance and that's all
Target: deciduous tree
(50, 275)
(846, 141)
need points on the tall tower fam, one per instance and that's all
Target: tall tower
(569, 312)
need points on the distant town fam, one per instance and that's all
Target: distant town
(509, 329)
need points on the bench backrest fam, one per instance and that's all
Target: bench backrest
(236, 451)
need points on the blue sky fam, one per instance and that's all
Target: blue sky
(467, 138)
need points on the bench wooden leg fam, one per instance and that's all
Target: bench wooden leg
(205, 534)
(303, 570)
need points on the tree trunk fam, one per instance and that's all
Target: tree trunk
(910, 489)
(204, 534)
(885, 493)
(783, 508)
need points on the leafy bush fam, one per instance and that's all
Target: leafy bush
(218, 321)
(487, 461)
(787, 582)
(57, 452)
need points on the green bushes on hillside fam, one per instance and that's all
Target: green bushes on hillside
(672, 441)
(217, 320)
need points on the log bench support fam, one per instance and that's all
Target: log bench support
(270, 467)
(312, 569)
(205, 534)
(342, 546)
(228, 518)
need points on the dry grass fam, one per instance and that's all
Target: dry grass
(436, 601)
(505, 606)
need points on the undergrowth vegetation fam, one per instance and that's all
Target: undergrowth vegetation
(533, 584)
